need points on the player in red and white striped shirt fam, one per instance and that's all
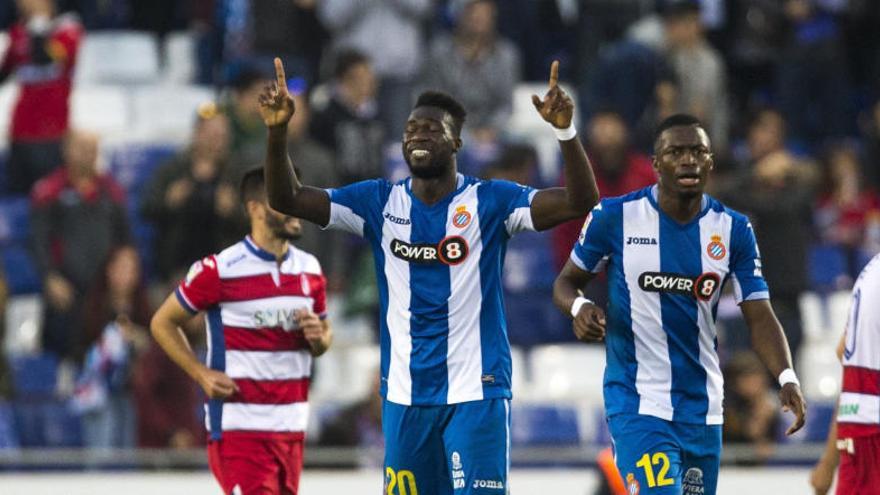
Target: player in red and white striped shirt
(265, 306)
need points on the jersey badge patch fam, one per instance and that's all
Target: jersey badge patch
(716, 248)
(462, 217)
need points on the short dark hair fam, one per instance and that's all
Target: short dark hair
(246, 77)
(677, 120)
(346, 59)
(252, 186)
(445, 102)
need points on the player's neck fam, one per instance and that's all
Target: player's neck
(682, 209)
(430, 191)
(270, 243)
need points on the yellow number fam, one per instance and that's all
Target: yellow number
(647, 462)
(404, 480)
(662, 458)
(390, 481)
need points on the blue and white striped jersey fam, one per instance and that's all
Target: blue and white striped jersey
(443, 336)
(665, 279)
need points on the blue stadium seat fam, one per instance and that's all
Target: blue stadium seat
(825, 264)
(133, 166)
(819, 421)
(47, 423)
(8, 430)
(14, 219)
(21, 271)
(34, 377)
(545, 425)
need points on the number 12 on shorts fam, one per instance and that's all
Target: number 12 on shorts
(647, 463)
(402, 482)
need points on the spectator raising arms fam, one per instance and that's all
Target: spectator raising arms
(42, 53)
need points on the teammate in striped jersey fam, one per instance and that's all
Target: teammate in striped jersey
(438, 240)
(668, 250)
(854, 438)
(265, 305)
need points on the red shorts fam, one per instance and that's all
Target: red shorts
(859, 471)
(256, 465)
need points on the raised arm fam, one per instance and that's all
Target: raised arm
(556, 205)
(769, 342)
(283, 188)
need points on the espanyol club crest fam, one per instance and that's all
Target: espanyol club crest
(462, 217)
(716, 249)
(632, 484)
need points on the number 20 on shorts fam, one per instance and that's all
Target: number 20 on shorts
(648, 462)
(402, 482)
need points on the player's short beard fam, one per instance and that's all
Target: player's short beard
(435, 168)
(276, 224)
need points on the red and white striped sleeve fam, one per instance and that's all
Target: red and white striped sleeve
(201, 288)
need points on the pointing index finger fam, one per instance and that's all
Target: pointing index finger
(279, 76)
(554, 73)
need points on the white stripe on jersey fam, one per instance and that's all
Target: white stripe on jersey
(654, 373)
(712, 224)
(464, 362)
(520, 219)
(264, 365)
(862, 343)
(263, 417)
(243, 314)
(867, 412)
(343, 218)
(399, 299)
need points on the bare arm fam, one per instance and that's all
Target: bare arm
(589, 324)
(823, 473)
(769, 342)
(553, 206)
(283, 188)
(165, 327)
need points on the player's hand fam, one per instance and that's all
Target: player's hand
(556, 107)
(276, 104)
(793, 400)
(312, 327)
(822, 476)
(589, 326)
(59, 291)
(177, 192)
(216, 384)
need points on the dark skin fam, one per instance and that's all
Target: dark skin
(683, 160)
(434, 132)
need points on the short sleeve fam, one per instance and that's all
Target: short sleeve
(201, 288)
(319, 296)
(746, 275)
(516, 199)
(350, 205)
(592, 250)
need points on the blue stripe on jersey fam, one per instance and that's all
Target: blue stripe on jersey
(218, 362)
(429, 319)
(619, 389)
(493, 326)
(680, 252)
(373, 232)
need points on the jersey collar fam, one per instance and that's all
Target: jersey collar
(262, 253)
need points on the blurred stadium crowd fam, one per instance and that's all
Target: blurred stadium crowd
(105, 201)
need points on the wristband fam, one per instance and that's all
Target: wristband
(788, 376)
(566, 134)
(577, 304)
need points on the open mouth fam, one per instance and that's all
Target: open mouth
(419, 154)
(688, 179)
